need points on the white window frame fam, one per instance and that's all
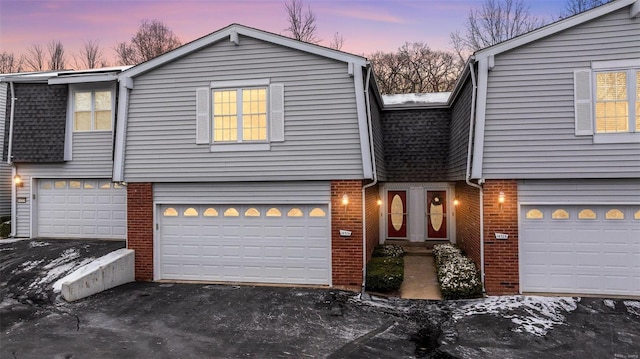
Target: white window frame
(92, 90)
(275, 107)
(631, 68)
(239, 114)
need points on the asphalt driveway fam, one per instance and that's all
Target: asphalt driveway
(162, 320)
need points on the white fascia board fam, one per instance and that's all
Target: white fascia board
(363, 126)
(635, 10)
(556, 27)
(121, 130)
(82, 79)
(481, 113)
(249, 32)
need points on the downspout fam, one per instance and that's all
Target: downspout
(14, 190)
(468, 174)
(375, 181)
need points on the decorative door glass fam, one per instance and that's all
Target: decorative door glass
(437, 214)
(397, 214)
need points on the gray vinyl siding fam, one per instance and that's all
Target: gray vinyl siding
(378, 138)
(591, 191)
(321, 127)
(243, 192)
(529, 129)
(92, 158)
(5, 169)
(459, 133)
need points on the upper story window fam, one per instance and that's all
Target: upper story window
(245, 115)
(240, 115)
(92, 110)
(617, 101)
(607, 101)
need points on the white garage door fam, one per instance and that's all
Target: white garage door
(81, 208)
(580, 249)
(245, 243)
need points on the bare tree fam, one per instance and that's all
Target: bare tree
(573, 7)
(89, 56)
(494, 22)
(337, 41)
(9, 63)
(415, 68)
(302, 24)
(152, 39)
(34, 58)
(56, 55)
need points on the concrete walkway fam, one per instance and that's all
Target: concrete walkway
(420, 280)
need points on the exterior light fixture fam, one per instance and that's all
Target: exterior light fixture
(345, 199)
(456, 202)
(17, 180)
(379, 202)
(501, 197)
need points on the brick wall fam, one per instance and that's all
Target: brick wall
(346, 252)
(140, 228)
(501, 256)
(467, 215)
(372, 212)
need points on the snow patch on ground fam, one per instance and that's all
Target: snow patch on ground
(633, 307)
(12, 240)
(416, 98)
(531, 314)
(88, 267)
(35, 244)
(30, 265)
(609, 303)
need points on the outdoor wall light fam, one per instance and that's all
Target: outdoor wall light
(501, 197)
(17, 180)
(379, 202)
(456, 202)
(345, 199)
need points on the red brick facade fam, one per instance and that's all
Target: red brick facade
(140, 228)
(467, 216)
(346, 252)
(501, 256)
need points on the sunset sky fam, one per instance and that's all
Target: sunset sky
(366, 25)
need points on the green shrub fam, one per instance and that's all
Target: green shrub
(385, 274)
(388, 250)
(5, 229)
(458, 276)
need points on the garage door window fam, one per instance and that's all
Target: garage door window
(231, 212)
(45, 185)
(637, 215)
(614, 214)
(210, 212)
(190, 212)
(560, 214)
(88, 185)
(317, 212)
(587, 214)
(60, 184)
(295, 212)
(105, 185)
(252, 212)
(170, 212)
(274, 212)
(534, 214)
(74, 184)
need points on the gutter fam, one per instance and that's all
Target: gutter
(467, 176)
(375, 180)
(125, 84)
(14, 190)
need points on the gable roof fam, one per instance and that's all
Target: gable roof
(558, 26)
(231, 32)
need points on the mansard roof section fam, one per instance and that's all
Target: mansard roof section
(231, 33)
(560, 25)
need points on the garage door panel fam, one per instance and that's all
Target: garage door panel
(253, 243)
(593, 251)
(77, 208)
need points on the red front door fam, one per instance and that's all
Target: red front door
(397, 214)
(437, 214)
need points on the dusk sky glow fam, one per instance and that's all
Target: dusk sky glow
(366, 25)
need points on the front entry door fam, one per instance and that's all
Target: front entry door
(397, 214)
(436, 209)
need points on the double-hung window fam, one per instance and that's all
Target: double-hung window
(607, 101)
(246, 115)
(92, 110)
(239, 115)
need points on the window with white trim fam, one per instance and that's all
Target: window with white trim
(92, 110)
(244, 115)
(617, 105)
